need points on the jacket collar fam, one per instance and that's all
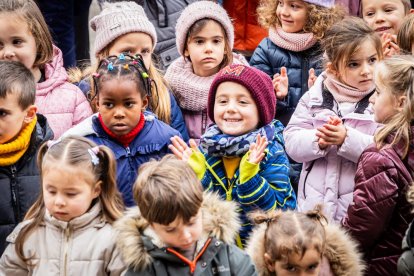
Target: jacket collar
(139, 244)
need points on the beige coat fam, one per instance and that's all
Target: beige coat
(341, 256)
(83, 246)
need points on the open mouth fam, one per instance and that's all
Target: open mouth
(232, 120)
(382, 29)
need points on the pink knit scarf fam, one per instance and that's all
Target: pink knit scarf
(295, 42)
(344, 93)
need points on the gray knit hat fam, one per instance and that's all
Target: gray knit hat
(323, 3)
(117, 19)
(200, 10)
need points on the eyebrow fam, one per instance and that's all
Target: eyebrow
(203, 37)
(371, 56)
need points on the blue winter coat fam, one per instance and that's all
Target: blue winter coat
(176, 117)
(269, 58)
(150, 143)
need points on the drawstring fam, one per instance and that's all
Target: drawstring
(191, 264)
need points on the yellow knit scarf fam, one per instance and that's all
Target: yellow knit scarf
(11, 152)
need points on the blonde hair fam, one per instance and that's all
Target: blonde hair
(319, 18)
(406, 4)
(405, 37)
(345, 38)
(167, 189)
(30, 14)
(290, 232)
(397, 75)
(159, 101)
(74, 151)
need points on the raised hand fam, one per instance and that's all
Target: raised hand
(180, 149)
(281, 83)
(389, 45)
(257, 149)
(332, 133)
(312, 78)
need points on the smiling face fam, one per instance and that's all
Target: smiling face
(383, 16)
(68, 191)
(134, 43)
(206, 49)
(235, 111)
(358, 71)
(292, 15)
(17, 42)
(180, 235)
(120, 104)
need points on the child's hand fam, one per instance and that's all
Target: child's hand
(312, 78)
(180, 149)
(332, 133)
(257, 150)
(389, 45)
(281, 83)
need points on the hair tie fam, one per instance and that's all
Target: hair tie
(126, 66)
(94, 157)
(110, 66)
(144, 75)
(121, 56)
(96, 75)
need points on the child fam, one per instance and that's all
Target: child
(133, 34)
(21, 133)
(122, 85)
(332, 123)
(242, 152)
(293, 243)
(205, 39)
(68, 230)
(24, 37)
(380, 213)
(385, 18)
(177, 230)
(292, 48)
(405, 37)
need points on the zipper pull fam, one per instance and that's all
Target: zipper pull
(13, 170)
(128, 151)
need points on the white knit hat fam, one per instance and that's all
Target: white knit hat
(323, 3)
(201, 10)
(117, 19)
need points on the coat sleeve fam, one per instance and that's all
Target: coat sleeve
(268, 188)
(82, 108)
(375, 197)
(177, 120)
(260, 59)
(115, 264)
(240, 262)
(354, 144)
(11, 264)
(300, 135)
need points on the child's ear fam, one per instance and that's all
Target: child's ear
(411, 11)
(145, 103)
(330, 68)
(269, 263)
(97, 189)
(30, 114)
(186, 53)
(401, 102)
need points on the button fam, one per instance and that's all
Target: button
(217, 243)
(168, 58)
(204, 264)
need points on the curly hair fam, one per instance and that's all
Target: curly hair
(319, 18)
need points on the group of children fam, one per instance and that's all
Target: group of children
(327, 101)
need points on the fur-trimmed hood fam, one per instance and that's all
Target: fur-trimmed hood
(341, 252)
(220, 220)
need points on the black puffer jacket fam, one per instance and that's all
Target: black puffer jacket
(20, 183)
(269, 58)
(164, 14)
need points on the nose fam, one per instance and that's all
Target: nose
(208, 46)
(379, 17)
(372, 98)
(59, 200)
(186, 235)
(284, 10)
(231, 107)
(9, 53)
(366, 69)
(119, 113)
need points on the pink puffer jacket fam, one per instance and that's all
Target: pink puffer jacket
(327, 176)
(63, 104)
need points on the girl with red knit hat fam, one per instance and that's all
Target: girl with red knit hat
(241, 156)
(205, 39)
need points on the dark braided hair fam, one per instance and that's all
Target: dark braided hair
(123, 66)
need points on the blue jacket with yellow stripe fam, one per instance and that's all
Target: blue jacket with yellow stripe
(266, 188)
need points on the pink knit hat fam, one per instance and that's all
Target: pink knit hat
(117, 19)
(201, 10)
(257, 82)
(323, 3)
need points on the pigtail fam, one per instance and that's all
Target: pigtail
(317, 214)
(269, 217)
(111, 200)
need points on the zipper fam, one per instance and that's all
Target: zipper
(66, 247)
(128, 150)
(13, 184)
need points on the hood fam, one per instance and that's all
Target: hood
(341, 252)
(84, 128)
(220, 220)
(55, 74)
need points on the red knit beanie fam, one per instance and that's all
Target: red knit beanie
(257, 82)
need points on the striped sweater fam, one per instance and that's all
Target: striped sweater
(268, 189)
